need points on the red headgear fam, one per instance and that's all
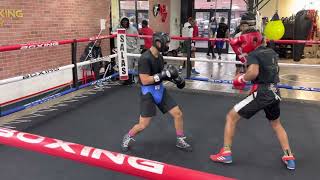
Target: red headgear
(250, 41)
(246, 43)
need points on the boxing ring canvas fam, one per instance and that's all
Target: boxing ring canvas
(97, 120)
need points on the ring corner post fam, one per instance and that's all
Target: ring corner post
(74, 62)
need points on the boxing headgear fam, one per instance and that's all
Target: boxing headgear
(250, 41)
(163, 38)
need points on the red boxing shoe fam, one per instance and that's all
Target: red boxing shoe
(222, 157)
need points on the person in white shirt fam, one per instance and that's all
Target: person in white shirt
(187, 31)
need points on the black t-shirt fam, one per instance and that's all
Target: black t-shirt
(267, 59)
(222, 29)
(148, 64)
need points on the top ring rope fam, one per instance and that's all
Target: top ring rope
(50, 43)
(227, 40)
(62, 42)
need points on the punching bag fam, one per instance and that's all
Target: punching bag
(274, 29)
(302, 27)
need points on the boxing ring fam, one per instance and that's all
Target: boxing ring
(94, 119)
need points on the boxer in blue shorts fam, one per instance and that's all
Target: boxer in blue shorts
(153, 94)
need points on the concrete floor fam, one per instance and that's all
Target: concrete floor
(293, 76)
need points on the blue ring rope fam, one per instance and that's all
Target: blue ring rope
(283, 86)
(49, 98)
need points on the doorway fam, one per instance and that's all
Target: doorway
(203, 18)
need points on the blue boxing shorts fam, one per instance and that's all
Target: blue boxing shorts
(152, 96)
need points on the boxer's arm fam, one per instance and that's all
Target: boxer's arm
(252, 72)
(166, 74)
(241, 79)
(146, 79)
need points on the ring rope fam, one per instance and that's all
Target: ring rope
(101, 158)
(282, 86)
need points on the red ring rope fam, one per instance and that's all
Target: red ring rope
(49, 43)
(102, 158)
(57, 43)
(226, 39)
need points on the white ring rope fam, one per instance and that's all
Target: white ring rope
(70, 66)
(227, 62)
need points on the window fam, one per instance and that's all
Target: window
(135, 10)
(127, 8)
(143, 5)
(239, 5)
(143, 11)
(212, 4)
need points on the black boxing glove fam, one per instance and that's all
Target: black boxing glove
(179, 81)
(167, 74)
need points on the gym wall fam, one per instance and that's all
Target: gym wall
(288, 7)
(40, 21)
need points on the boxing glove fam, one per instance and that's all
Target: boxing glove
(179, 81)
(235, 44)
(167, 74)
(239, 82)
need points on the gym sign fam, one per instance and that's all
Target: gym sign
(9, 14)
(122, 54)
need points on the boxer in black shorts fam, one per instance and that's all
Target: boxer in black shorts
(153, 94)
(263, 71)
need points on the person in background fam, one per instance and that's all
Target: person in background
(133, 22)
(146, 30)
(222, 32)
(93, 51)
(195, 33)
(132, 46)
(213, 26)
(187, 31)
